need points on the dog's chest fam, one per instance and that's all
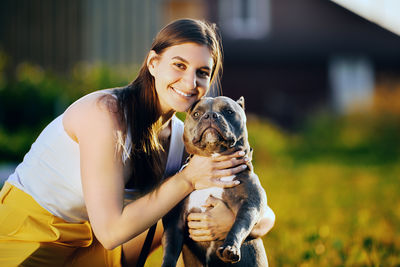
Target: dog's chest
(198, 198)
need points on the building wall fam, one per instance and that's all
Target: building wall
(119, 32)
(59, 34)
(44, 32)
(284, 93)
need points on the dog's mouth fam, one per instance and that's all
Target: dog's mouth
(211, 135)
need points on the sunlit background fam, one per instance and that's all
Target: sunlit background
(321, 80)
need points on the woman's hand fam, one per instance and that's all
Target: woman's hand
(203, 172)
(217, 220)
(213, 224)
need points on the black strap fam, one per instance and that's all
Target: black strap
(146, 246)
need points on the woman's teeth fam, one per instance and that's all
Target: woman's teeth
(181, 93)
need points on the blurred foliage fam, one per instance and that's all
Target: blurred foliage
(369, 138)
(31, 97)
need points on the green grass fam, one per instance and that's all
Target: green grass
(333, 207)
(333, 215)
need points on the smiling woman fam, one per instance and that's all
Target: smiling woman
(182, 75)
(110, 144)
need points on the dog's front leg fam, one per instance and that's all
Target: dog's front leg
(247, 216)
(173, 236)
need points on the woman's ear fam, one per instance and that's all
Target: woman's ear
(152, 59)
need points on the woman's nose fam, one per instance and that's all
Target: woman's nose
(190, 80)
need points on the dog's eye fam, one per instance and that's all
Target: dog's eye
(230, 111)
(196, 114)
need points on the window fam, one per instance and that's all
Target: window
(245, 18)
(352, 83)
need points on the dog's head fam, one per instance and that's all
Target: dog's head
(216, 125)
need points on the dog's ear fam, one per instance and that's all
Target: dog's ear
(240, 101)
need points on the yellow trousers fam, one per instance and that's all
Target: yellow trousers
(31, 236)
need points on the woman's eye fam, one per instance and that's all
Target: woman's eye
(203, 74)
(180, 66)
(196, 114)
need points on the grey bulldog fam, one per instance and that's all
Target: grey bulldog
(218, 126)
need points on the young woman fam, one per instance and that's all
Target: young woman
(64, 204)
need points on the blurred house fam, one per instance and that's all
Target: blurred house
(289, 58)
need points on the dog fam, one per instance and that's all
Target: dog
(217, 126)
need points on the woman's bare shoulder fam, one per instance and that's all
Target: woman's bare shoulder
(98, 109)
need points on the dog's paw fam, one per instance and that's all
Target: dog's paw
(228, 253)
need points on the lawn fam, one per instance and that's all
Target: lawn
(333, 215)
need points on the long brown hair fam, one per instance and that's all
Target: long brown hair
(139, 106)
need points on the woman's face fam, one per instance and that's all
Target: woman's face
(182, 75)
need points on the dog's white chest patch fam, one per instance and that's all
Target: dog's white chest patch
(198, 198)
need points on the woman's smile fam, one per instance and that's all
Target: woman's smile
(179, 92)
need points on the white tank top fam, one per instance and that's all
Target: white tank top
(50, 171)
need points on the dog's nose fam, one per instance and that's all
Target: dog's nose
(213, 115)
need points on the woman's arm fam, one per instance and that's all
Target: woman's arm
(94, 127)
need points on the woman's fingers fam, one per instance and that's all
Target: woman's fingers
(215, 182)
(231, 163)
(213, 224)
(230, 171)
(200, 232)
(203, 172)
(198, 225)
(202, 238)
(195, 216)
(201, 235)
(237, 154)
(224, 184)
